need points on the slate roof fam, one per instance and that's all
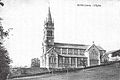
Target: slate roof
(77, 46)
(71, 55)
(67, 45)
(100, 48)
(113, 52)
(110, 52)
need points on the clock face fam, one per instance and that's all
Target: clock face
(49, 40)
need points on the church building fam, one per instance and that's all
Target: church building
(65, 55)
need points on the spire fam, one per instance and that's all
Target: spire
(49, 22)
(49, 15)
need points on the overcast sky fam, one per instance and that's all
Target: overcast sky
(73, 24)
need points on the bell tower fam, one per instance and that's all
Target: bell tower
(48, 39)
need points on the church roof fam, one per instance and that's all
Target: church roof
(77, 46)
(71, 55)
(67, 45)
(100, 48)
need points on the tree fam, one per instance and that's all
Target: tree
(35, 62)
(4, 63)
(4, 57)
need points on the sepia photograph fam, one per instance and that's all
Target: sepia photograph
(59, 39)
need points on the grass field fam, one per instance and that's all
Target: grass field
(109, 72)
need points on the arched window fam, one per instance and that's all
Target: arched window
(52, 59)
(93, 54)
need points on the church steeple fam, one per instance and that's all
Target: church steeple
(48, 39)
(49, 15)
(49, 22)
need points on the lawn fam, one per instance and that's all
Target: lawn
(109, 72)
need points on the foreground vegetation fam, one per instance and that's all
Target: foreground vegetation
(109, 72)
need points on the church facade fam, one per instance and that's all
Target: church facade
(65, 55)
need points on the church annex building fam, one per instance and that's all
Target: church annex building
(65, 55)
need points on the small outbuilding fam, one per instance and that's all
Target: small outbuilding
(112, 56)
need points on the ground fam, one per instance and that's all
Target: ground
(109, 72)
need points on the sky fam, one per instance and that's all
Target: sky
(73, 24)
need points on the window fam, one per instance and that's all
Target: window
(64, 51)
(66, 60)
(75, 51)
(81, 61)
(60, 60)
(73, 61)
(49, 33)
(52, 59)
(70, 51)
(78, 61)
(85, 61)
(93, 54)
(81, 52)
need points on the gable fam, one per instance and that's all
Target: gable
(52, 52)
(93, 47)
(94, 50)
(96, 47)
